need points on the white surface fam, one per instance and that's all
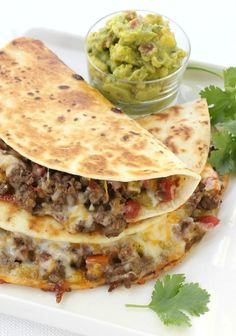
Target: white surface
(211, 26)
(11, 326)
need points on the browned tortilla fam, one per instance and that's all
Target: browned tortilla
(184, 129)
(51, 116)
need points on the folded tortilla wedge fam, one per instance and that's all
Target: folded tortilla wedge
(191, 117)
(47, 257)
(184, 129)
(72, 160)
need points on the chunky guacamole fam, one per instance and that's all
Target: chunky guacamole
(132, 47)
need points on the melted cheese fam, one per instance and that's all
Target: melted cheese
(211, 179)
(158, 239)
(153, 197)
(79, 213)
(8, 162)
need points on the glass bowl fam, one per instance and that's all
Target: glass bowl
(137, 97)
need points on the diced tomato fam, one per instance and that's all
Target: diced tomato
(7, 198)
(38, 170)
(131, 209)
(97, 258)
(209, 220)
(93, 185)
(168, 186)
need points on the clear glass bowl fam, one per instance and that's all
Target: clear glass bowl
(140, 97)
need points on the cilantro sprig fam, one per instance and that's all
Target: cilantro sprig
(174, 301)
(222, 108)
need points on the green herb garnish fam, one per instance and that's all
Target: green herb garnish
(174, 301)
(222, 108)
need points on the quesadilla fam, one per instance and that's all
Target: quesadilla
(161, 242)
(69, 158)
(191, 119)
(62, 266)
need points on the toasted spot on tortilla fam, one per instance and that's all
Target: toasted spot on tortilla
(161, 116)
(96, 163)
(134, 133)
(116, 110)
(169, 142)
(77, 77)
(125, 137)
(63, 87)
(184, 131)
(61, 118)
(134, 159)
(176, 109)
(76, 98)
(154, 130)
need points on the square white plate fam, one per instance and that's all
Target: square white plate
(95, 312)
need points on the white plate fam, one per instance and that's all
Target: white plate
(96, 312)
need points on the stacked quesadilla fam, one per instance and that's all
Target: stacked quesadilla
(89, 196)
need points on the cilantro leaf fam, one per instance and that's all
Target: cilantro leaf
(168, 288)
(174, 301)
(222, 108)
(230, 79)
(230, 126)
(224, 157)
(222, 104)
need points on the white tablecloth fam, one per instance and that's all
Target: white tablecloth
(210, 24)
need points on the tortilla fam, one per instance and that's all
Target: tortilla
(48, 228)
(53, 118)
(185, 130)
(110, 146)
(19, 220)
(136, 258)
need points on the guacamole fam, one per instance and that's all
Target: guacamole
(131, 47)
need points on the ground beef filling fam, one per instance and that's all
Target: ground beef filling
(48, 192)
(204, 200)
(200, 205)
(127, 264)
(123, 263)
